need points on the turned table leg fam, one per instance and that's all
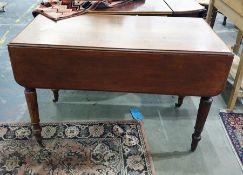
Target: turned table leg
(55, 94)
(224, 21)
(180, 101)
(31, 99)
(204, 107)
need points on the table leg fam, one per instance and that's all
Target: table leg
(204, 107)
(180, 101)
(225, 20)
(56, 94)
(236, 47)
(31, 99)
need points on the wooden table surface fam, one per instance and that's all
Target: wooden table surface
(183, 6)
(138, 7)
(144, 54)
(153, 7)
(121, 32)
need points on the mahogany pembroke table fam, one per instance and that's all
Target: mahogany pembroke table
(145, 54)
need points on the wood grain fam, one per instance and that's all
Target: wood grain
(127, 71)
(141, 7)
(121, 53)
(123, 33)
(236, 5)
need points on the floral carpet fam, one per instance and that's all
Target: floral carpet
(233, 123)
(76, 148)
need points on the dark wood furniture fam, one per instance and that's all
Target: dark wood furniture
(142, 54)
(139, 7)
(172, 8)
(155, 7)
(187, 8)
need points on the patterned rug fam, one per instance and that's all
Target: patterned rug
(233, 123)
(62, 9)
(76, 148)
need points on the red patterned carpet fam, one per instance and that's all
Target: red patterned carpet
(62, 9)
(233, 123)
(77, 148)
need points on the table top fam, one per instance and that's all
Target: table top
(183, 6)
(162, 7)
(123, 32)
(135, 7)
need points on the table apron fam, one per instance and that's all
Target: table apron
(195, 74)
